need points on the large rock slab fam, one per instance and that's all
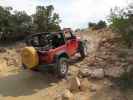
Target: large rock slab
(114, 72)
(97, 73)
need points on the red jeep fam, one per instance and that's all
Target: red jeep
(54, 50)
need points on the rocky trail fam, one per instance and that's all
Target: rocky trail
(88, 79)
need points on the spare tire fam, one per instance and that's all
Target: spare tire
(30, 57)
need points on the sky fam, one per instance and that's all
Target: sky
(73, 13)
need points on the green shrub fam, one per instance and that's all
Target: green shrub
(101, 24)
(121, 21)
(17, 25)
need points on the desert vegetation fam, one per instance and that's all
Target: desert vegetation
(16, 25)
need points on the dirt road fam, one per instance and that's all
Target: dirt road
(26, 85)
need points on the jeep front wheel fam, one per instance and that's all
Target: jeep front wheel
(83, 49)
(62, 67)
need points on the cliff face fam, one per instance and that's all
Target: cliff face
(107, 52)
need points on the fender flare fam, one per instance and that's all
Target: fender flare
(60, 54)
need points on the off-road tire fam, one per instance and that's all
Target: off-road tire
(83, 49)
(62, 67)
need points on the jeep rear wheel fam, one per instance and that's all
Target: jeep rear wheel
(62, 67)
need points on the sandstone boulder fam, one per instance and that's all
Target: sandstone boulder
(85, 84)
(74, 84)
(2, 50)
(67, 95)
(97, 73)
